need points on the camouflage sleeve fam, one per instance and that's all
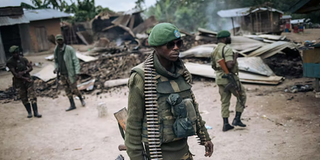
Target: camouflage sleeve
(201, 128)
(10, 64)
(133, 132)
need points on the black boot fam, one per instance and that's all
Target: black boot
(35, 110)
(28, 108)
(237, 120)
(226, 125)
(83, 103)
(72, 105)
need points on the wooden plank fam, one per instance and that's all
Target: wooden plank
(132, 22)
(82, 38)
(38, 35)
(86, 58)
(44, 38)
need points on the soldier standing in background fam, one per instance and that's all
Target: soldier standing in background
(67, 64)
(20, 67)
(224, 52)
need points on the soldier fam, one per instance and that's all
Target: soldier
(20, 67)
(162, 111)
(224, 52)
(67, 64)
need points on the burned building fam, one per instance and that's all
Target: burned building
(255, 20)
(28, 29)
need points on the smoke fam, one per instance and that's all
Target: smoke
(215, 22)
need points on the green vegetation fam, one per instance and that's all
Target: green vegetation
(191, 14)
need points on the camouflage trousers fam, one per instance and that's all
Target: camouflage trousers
(225, 100)
(27, 92)
(187, 156)
(70, 88)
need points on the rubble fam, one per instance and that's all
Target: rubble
(205, 70)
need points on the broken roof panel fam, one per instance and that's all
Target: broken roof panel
(12, 20)
(123, 20)
(241, 43)
(133, 11)
(42, 14)
(205, 70)
(143, 27)
(202, 30)
(269, 50)
(239, 12)
(254, 65)
(10, 3)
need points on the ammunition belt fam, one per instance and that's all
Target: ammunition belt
(151, 109)
(201, 135)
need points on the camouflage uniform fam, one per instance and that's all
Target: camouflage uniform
(169, 82)
(70, 88)
(67, 63)
(26, 89)
(24, 82)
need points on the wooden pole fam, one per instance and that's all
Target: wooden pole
(234, 32)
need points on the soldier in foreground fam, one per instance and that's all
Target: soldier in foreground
(162, 111)
(20, 67)
(224, 62)
(67, 64)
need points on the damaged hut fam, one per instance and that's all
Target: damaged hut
(255, 20)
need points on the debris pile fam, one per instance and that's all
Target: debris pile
(120, 43)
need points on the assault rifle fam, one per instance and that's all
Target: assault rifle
(57, 81)
(233, 84)
(121, 117)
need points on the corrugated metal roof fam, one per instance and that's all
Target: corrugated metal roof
(42, 14)
(286, 17)
(12, 20)
(239, 12)
(296, 21)
(10, 3)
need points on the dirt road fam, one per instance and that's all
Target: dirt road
(278, 128)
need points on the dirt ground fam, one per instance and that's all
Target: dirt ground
(308, 34)
(280, 125)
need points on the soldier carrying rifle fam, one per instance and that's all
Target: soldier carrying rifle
(224, 62)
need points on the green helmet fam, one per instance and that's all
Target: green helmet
(14, 49)
(223, 34)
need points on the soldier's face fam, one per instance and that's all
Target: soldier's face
(228, 40)
(60, 42)
(16, 55)
(170, 51)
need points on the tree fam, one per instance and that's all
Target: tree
(39, 4)
(139, 4)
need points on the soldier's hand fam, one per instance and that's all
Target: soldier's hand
(209, 148)
(22, 73)
(30, 64)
